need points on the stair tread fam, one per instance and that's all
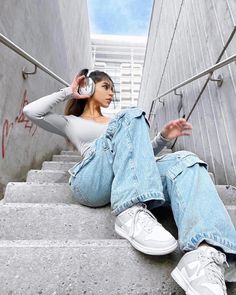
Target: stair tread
(75, 267)
(60, 192)
(57, 165)
(69, 158)
(55, 221)
(66, 266)
(47, 176)
(68, 152)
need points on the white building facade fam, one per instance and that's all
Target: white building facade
(122, 58)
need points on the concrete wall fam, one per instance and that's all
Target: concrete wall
(56, 33)
(185, 38)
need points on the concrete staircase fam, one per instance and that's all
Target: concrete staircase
(52, 245)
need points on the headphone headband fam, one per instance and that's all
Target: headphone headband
(89, 72)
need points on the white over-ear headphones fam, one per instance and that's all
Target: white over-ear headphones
(89, 86)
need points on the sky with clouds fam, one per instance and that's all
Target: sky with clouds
(120, 17)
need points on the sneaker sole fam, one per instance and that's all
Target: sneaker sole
(183, 282)
(143, 249)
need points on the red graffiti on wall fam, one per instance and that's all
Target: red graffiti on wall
(20, 119)
(6, 130)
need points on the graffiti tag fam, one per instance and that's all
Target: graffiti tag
(20, 119)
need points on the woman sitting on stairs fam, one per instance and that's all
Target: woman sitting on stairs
(118, 167)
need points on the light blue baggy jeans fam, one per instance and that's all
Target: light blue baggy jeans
(120, 168)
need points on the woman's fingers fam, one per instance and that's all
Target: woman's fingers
(182, 124)
(186, 133)
(76, 95)
(79, 78)
(176, 128)
(78, 81)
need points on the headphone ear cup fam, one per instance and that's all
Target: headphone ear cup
(88, 88)
(91, 82)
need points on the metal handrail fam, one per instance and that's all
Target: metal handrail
(24, 54)
(204, 73)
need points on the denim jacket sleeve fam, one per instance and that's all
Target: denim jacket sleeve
(40, 111)
(158, 143)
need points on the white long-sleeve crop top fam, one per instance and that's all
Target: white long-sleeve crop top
(79, 131)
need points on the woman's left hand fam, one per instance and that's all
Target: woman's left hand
(176, 128)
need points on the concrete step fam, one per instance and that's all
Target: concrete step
(51, 243)
(56, 176)
(55, 222)
(227, 194)
(62, 162)
(95, 267)
(53, 165)
(70, 153)
(33, 192)
(67, 221)
(51, 175)
(66, 158)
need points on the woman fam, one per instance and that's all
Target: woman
(118, 167)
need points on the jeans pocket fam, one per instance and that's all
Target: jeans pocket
(135, 112)
(184, 160)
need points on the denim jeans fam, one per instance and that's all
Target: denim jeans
(120, 168)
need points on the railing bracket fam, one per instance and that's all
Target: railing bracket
(180, 105)
(219, 80)
(162, 101)
(25, 74)
(178, 94)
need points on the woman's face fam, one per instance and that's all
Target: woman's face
(103, 93)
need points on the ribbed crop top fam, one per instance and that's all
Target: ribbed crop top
(79, 131)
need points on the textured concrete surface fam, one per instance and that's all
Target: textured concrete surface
(44, 30)
(69, 153)
(54, 165)
(50, 192)
(55, 222)
(95, 267)
(71, 221)
(83, 267)
(204, 27)
(227, 193)
(47, 176)
(31, 192)
(67, 158)
(64, 248)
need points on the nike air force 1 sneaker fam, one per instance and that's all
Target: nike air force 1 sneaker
(201, 272)
(140, 227)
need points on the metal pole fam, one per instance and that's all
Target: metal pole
(207, 71)
(25, 55)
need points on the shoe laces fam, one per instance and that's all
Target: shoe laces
(214, 263)
(145, 217)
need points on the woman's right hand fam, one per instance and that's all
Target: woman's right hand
(76, 83)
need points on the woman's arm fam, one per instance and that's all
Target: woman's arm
(158, 143)
(39, 111)
(171, 130)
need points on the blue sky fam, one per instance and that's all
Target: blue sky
(120, 17)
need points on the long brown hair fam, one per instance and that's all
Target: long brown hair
(76, 106)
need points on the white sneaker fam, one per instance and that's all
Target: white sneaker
(139, 226)
(201, 272)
